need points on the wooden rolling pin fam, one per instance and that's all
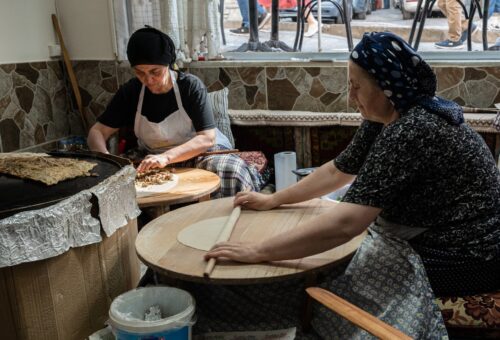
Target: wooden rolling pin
(224, 236)
(356, 315)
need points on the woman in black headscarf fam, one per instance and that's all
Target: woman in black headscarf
(425, 186)
(172, 118)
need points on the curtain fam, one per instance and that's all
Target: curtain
(193, 25)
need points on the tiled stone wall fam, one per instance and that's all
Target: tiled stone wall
(33, 105)
(36, 106)
(280, 88)
(471, 86)
(324, 89)
(98, 81)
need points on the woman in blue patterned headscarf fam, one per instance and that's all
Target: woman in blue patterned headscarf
(425, 188)
(405, 78)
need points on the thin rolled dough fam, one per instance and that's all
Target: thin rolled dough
(203, 234)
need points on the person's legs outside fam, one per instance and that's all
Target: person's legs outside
(453, 12)
(494, 15)
(263, 17)
(312, 23)
(496, 46)
(494, 7)
(244, 11)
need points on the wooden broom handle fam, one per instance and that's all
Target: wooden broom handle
(356, 315)
(71, 73)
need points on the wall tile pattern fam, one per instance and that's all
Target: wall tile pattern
(325, 89)
(33, 104)
(36, 103)
(280, 88)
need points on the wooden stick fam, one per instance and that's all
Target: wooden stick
(356, 315)
(208, 153)
(71, 73)
(224, 235)
(218, 152)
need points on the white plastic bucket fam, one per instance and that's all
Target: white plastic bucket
(126, 314)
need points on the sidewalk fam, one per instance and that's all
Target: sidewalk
(333, 37)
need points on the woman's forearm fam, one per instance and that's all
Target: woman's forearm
(319, 234)
(192, 148)
(96, 141)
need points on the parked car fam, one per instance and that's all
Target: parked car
(330, 13)
(409, 8)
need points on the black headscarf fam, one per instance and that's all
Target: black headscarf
(149, 46)
(406, 79)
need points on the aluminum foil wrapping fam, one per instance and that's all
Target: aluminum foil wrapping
(43, 233)
(116, 197)
(48, 232)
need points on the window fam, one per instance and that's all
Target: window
(201, 19)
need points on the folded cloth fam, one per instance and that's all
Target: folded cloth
(254, 158)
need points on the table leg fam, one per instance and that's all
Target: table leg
(275, 42)
(156, 211)
(486, 6)
(306, 313)
(253, 43)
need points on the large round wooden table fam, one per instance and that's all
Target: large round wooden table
(158, 248)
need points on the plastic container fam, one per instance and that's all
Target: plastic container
(337, 195)
(126, 314)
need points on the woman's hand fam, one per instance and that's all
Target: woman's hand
(255, 201)
(153, 161)
(241, 252)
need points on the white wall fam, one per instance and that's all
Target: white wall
(86, 28)
(26, 29)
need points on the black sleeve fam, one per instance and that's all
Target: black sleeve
(391, 166)
(121, 110)
(195, 101)
(352, 158)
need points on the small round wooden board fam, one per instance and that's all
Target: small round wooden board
(192, 184)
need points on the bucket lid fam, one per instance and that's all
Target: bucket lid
(127, 310)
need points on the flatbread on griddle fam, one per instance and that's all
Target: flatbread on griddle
(43, 168)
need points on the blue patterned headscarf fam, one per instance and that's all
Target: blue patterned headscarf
(406, 79)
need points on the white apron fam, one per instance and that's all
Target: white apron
(174, 130)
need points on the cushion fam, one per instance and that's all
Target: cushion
(478, 311)
(219, 102)
(254, 158)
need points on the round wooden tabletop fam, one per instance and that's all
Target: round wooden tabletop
(193, 184)
(157, 244)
